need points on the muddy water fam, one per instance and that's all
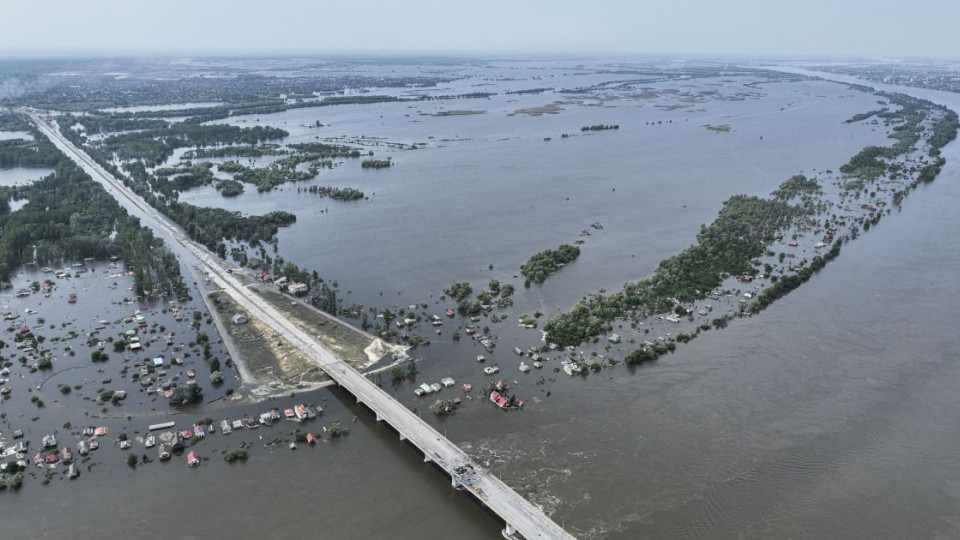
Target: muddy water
(827, 416)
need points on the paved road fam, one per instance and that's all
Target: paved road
(518, 513)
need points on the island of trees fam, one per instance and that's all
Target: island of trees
(376, 163)
(546, 263)
(335, 193)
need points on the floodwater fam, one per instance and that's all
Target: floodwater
(488, 189)
(19, 176)
(11, 135)
(829, 415)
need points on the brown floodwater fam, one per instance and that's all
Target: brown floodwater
(829, 415)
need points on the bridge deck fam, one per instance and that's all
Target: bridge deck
(519, 514)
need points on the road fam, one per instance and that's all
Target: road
(519, 514)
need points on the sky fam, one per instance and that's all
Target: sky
(814, 28)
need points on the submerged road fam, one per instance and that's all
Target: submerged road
(519, 514)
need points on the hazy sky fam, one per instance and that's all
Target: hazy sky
(884, 28)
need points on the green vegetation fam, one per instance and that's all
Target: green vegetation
(240, 454)
(945, 130)
(70, 217)
(459, 291)
(184, 395)
(172, 180)
(546, 263)
(337, 429)
(796, 185)
(235, 151)
(745, 225)
(337, 194)
(376, 163)
(10, 479)
(790, 282)
(314, 151)
(649, 354)
(467, 307)
(740, 233)
(153, 146)
(24, 153)
(230, 188)
(863, 116)
(868, 164)
(270, 177)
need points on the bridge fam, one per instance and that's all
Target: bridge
(520, 516)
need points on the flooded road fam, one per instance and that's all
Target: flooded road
(829, 415)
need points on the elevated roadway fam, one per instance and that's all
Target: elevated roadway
(521, 517)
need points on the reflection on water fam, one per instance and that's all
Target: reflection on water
(18, 176)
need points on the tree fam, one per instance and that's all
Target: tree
(184, 395)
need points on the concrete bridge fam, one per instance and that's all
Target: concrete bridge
(521, 517)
